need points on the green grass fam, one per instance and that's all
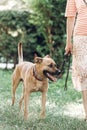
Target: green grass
(64, 110)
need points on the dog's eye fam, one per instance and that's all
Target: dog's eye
(50, 65)
(55, 65)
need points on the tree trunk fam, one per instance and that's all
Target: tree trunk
(50, 40)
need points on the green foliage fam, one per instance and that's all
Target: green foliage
(41, 30)
(48, 17)
(15, 27)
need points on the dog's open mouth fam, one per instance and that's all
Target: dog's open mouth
(50, 76)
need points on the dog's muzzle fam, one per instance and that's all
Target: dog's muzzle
(52, 75)
(58, 72)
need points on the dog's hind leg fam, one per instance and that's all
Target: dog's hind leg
(14, 87)
(42, 114)
(21, 100)
(26, 100)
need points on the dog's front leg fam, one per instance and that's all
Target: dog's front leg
(42, 114)
(26, 100)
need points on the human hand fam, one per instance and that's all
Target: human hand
(68, 48)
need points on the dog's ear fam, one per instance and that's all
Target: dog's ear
(38, 59)
(35, 55)
(47, 56)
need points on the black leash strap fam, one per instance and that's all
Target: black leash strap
(68, 67)
(66, 58)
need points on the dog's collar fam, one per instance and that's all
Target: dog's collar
(35, 74)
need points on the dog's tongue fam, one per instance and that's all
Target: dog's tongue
(51, 77)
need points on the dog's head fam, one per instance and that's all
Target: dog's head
(48, 67)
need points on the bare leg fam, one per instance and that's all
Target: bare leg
(42, 114)
(84, 96)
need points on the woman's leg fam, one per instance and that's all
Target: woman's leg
(84, 97)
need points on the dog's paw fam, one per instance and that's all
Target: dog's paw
(42, 115)
(26, 115)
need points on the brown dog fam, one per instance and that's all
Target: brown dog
(35, 78)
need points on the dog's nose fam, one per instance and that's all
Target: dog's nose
(58, 72)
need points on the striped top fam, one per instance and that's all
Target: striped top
(78, 6)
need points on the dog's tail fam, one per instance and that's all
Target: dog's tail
(20, 52)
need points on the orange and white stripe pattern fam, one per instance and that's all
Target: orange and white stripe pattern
(70, 8)
(80, 7)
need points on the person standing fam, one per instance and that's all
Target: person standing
(76, 44)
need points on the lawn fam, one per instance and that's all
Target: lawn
(64, 110)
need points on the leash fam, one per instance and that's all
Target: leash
(66, 58)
